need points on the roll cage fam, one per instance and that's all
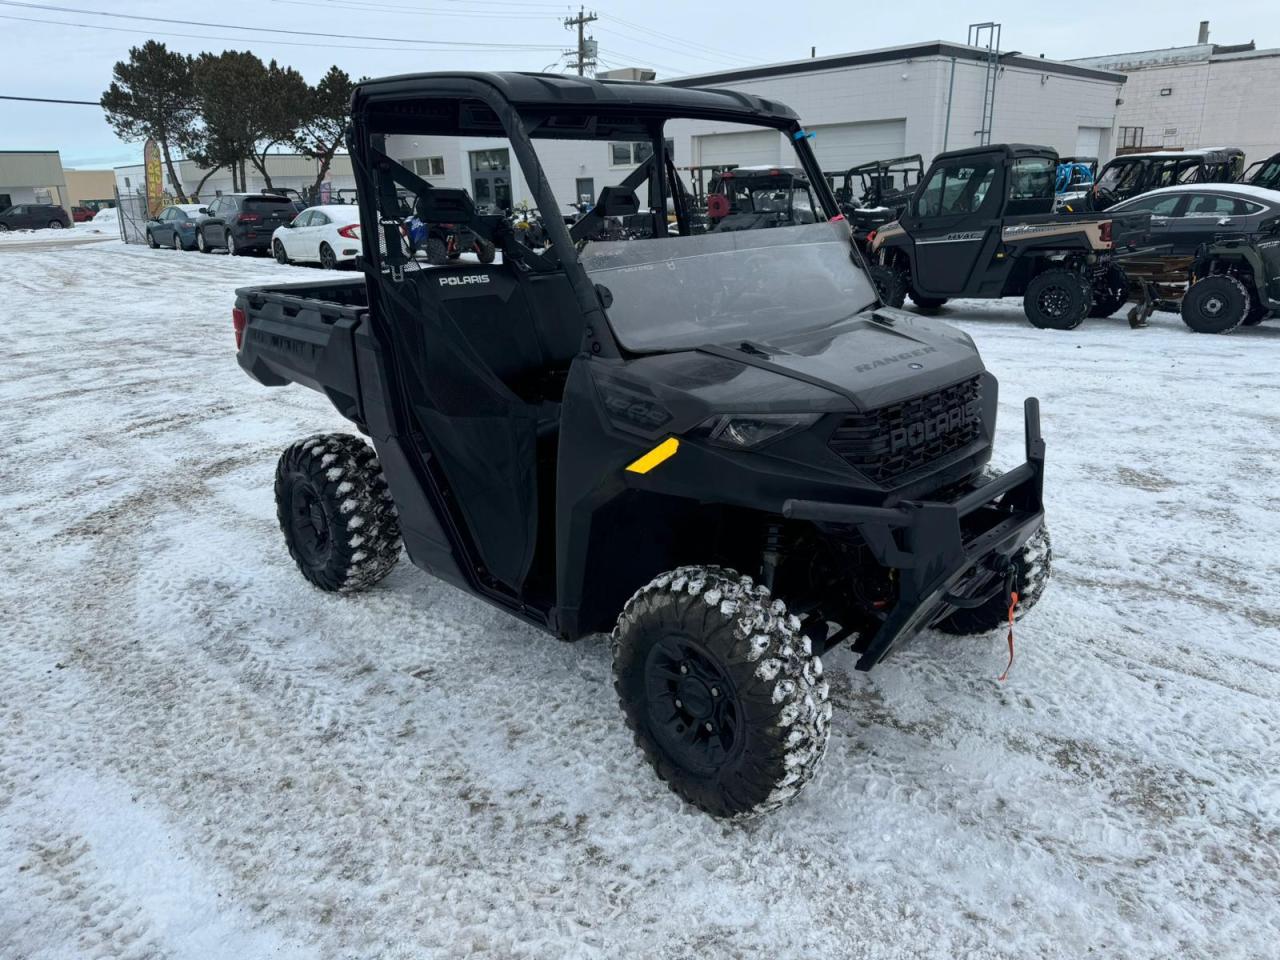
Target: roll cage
(523, 107)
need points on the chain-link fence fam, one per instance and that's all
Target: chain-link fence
(132, 216)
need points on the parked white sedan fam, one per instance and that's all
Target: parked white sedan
(328, 235)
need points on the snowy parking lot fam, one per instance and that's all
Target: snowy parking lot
(203, 757)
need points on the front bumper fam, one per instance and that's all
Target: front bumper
(948, 555)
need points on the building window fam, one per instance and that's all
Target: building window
(634, 154)
(428, 166)
(1131, 136)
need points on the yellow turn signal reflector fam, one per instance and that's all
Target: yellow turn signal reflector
(663, 451)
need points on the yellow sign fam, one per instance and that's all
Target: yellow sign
(155, 178)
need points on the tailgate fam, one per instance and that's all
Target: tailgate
(290, 336)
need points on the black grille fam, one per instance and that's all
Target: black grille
(894, 441)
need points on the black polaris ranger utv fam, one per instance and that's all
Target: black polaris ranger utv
(980, 225)
(718, 447)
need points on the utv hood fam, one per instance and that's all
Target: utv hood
(879, 357)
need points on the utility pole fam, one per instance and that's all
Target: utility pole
(586, 46)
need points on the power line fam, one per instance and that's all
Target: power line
(83, 103)
(722, 54)
(296, 33)
(702, 57)
(357, 6)
(482, 48)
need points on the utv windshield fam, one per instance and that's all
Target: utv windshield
(684, 292)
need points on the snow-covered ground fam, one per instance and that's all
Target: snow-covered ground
(203, 757)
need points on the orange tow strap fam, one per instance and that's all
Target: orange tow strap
(1013, 603)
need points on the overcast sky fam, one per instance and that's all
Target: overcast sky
(70, 52)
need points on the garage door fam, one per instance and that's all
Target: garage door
(840, 146)
(747, 149)
(1088, 141)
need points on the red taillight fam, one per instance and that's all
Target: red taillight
(351, 232)
(871, 238)
(1104, 229)
(775, 173)
(249, 218)
(238, 322)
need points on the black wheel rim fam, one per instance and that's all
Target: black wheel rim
(1213, 306)
(280, 257)
(693, 707)
(309, 523)
(327, 259)
(1054, 302)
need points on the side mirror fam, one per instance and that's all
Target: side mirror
(203, 210)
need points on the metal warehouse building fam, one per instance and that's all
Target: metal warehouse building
(1203, 95)
(32, 176)
(920, 98)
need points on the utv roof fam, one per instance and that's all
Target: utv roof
(1010, 151)
(767, 170)
(577, 94)
(892, 161)
(1211, 154)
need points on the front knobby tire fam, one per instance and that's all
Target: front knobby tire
(1033, 566)
(336, 512)
(890, 284)
(723, 693)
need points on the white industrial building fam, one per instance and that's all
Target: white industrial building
(288, 170)
(920, 98)
(32, 176)
(1202, 95)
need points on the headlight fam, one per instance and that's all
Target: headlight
(752, 430)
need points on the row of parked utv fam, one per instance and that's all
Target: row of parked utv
(1168, 231)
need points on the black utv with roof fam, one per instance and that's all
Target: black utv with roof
(754, 198)
(719, 448)
(980, 225)
(1130, 174)
(883, 189)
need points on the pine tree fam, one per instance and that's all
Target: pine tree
(152, 96)
(325, 123)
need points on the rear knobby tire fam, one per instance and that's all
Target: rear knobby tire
(1216, 304)
(1057, 299)
(1110, 293)
(437, 251)
(703, 645)
(485, 251)
(1033, 567)
(336, 512)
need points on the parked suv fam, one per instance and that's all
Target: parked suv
(34, 216)
(243, 222)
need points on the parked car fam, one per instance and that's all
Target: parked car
(34, 216)
(1132, 174)
(243, 222)
(1187, 216)
(328, 235)
(176, 226)
(81, 214)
